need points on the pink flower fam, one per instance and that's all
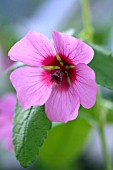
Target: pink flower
(7, 105)
(7, 63)
(57, 76)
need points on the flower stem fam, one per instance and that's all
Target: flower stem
(104, 148)
(101, 122)
(87, 21)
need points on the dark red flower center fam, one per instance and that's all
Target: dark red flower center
(61, 70)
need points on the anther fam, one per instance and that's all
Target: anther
(57, 76)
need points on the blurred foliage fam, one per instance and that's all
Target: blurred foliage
(102, 106)
(102, 64)
(101, 36)
(65, 142)
(7, 38)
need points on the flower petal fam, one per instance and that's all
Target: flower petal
(32, 85)
(9, 100)
(6, 135)
(72, 49)
(85, 85)
(3, 121)
(34, 49)
(62, 106)
(75, 113)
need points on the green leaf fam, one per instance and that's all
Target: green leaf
(110, 116)
(102, 64)
(108, 107)
(102, 106)
(91, 115)
(29, 131)
(64, 143)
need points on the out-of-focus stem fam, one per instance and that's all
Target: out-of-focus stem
(104, 148)
(87, 21)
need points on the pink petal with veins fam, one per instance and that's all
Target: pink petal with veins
(33, 50)
(32, 84)
(71, 48)
(85, 85)
(62, 106)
